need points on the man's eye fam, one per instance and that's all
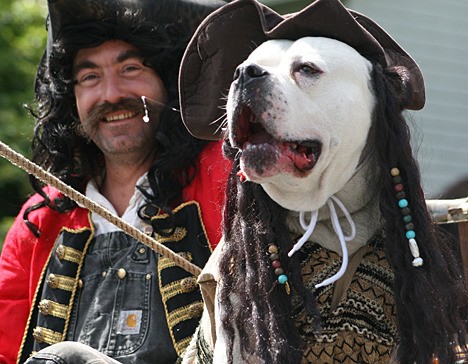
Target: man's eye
(86, 79)
(89, 78)
(132, 68)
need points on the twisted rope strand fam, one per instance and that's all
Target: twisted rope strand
(49, 179)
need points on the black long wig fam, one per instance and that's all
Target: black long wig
(431, 300)
(59, 147)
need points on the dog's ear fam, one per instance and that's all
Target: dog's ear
(407, 80)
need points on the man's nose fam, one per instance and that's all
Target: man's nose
(113, 88)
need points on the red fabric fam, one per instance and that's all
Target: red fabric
(24, 256)
(208, 189)
(21, 264)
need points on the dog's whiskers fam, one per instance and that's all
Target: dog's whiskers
(255, 45)
(222, 127)
(224, 97)
(218, 119)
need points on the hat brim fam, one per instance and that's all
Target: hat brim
(226, 38)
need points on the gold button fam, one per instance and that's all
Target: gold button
(148, 277)
(188, 284)
(186, 255)
(52, 281)
(179, 234)
(196, 309)
(148, 230)
(44, 307)
(121, 273)
(80, 284)
(60, 252)
(142, 250)
(38, 335)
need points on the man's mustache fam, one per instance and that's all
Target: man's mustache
(88, 126)
(99, 112)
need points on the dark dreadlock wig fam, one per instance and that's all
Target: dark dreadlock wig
(431, 300)
(252, 222)
(160, 30)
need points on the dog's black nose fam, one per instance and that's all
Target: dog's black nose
(246, 72)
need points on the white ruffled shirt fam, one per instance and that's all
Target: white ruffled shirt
(130, 215)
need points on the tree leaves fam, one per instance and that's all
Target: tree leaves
(22, 41)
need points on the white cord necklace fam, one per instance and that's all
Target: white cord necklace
(339, 232)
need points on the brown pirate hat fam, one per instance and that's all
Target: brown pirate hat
(226, 37)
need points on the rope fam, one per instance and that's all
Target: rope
(47, 178)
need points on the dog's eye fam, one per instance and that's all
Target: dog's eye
(307, 69)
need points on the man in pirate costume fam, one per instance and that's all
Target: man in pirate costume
(108, 125)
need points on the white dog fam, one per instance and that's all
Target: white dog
(329, 253)
(301, 120)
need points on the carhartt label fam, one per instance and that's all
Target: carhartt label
(129, 322)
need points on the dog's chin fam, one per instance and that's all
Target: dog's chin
(265, 156)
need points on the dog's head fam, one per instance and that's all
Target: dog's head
(300, 111)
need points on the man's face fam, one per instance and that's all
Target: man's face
(110, 82)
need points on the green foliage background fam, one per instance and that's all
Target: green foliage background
(22, 41)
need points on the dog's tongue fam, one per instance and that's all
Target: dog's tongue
(285, 154)
(302, 162)
(299, 157)
(253, 138)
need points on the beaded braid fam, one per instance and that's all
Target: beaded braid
(274, 256)
(431, 300)
(406, 215)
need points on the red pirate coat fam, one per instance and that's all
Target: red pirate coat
(24, 256)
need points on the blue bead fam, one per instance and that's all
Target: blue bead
(403, 203)
(410, 234)
(283, 278)
(407, 218)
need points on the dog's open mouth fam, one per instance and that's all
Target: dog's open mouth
(250, 136)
